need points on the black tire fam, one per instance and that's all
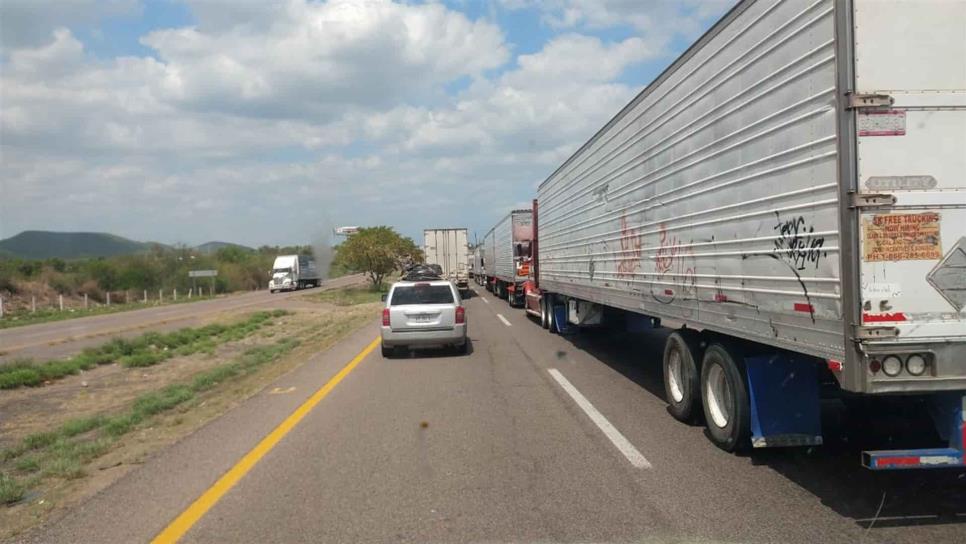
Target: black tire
(388, 352)
(682, 388)
(551, 318)
(462, 349)
(543, 312)
(726, 365)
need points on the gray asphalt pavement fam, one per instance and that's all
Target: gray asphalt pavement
(62, 338)
(492, 447)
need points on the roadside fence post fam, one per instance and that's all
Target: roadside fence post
(175, 293)
(1, 306)
(108, 298)
(189, 292)
(160, 296)
(33, 304)
(60, 299)
(145, 296)
(85, 302)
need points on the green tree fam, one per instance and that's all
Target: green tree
(105, 274)
(376, 251)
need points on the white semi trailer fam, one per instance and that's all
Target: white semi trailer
(448, 248)
(790, 196)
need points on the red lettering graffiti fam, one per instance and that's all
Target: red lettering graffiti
(630, 257)
(669, 263)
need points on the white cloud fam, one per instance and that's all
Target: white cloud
(261, 122)
(30, 22)
(314, 60)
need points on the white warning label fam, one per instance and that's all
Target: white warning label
(881, 123)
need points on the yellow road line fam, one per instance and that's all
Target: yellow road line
(183, 523)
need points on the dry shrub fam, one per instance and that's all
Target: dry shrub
(92, 290)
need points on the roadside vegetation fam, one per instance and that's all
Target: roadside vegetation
(63, 452)
(146, 350)
(32, 289)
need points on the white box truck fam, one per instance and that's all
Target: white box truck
(448, 248)
(790, 196)
(291, 272)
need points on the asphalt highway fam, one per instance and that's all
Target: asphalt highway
(531, 437)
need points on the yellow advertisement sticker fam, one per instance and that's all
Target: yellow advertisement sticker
(901, 237)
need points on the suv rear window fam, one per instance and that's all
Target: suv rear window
(421, 294)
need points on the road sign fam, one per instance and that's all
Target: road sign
(202, 273)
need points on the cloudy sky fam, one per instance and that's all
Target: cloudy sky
(265, 122)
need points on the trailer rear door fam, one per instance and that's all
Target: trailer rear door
(912, 254)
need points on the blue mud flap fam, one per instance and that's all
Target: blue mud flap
(785, 407)
(560, 320)
(949, 415)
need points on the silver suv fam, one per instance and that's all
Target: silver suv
(423, 314)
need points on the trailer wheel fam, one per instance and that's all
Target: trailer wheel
(724, 394)
(682, 379)
(551, 318)
(543, 312)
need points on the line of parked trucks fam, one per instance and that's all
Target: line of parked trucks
(789, 197)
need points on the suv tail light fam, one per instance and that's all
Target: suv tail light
(460, 315)
(385, 317)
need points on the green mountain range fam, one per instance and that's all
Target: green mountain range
(37, 244)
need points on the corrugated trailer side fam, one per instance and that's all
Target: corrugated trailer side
(794, 179)
(503, 253)
(712, 198)
(488, 258)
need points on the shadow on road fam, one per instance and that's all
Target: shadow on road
(832, 472)
(434, 353)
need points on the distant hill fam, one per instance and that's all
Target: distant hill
(211, 247)
(38, 244)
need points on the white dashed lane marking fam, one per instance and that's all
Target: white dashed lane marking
(623, 444)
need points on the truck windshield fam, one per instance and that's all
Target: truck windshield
(281, 270)
(421, 294)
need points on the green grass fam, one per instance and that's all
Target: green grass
(348, 296)
(11, 490)
(64, 452)
(146, 350)
(26, 317)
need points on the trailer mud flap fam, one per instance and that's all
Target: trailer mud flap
(949, 415)
(784, 396)
(560, 320)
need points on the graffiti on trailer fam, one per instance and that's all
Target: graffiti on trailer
(674, 264)
(630, 254)
(797, 243)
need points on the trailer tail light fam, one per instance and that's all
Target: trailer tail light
(460, 315)
(891, 366)
(875, 366)
(916, 365)
(385, 317)
(835, 366)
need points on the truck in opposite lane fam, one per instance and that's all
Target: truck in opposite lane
(291, 272)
